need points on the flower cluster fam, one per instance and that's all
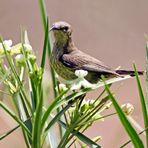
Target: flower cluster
(17, 56)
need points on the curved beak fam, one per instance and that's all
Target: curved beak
(52, 28)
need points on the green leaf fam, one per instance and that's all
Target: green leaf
(12, 130)
(72, 96)
(146, 75)
(81, 136)
(9, 132)
(15, 118)
(59, 101)
(127, 125)
(45, 46)
(129, 141)
(57, 117)
(143, 104)
(44, 21)
(50, 108)
(37, 133)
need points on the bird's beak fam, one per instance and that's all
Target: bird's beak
(52, 28)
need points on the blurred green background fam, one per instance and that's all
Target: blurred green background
(112, 31)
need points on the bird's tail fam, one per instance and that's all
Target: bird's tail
(128, 72)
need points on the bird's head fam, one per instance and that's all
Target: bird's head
(62, 31)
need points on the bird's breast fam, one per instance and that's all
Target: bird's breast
(63, 71)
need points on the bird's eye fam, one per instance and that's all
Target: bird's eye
(65, 29)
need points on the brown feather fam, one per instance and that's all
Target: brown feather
(66, 58)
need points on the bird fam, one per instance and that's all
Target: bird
(66, 58)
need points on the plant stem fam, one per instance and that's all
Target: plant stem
(65, 137)
(15, 118)
(44, 21)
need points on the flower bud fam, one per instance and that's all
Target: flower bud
(28, 48)
(20, 60)
(127, 108)
(32, 58)
(62, 87)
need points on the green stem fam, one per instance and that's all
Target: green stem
(87, 127)
(146, 99)
(15, 118)
(37, 134)
(89, 115)
(65, 137)
(125, 144)
(44, 21)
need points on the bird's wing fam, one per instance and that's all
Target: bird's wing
(78, 60)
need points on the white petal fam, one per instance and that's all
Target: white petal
(81, 73)
(8, 43)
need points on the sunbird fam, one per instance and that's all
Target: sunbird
(66, 58)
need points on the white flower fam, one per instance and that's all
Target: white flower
(62, 87)
(81, 73)
(7, 44)
(28, 47)
(80, 81)
(16, 49)
(20, 60)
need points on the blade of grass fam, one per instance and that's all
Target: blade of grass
(20, 105)
(15, 118)
(50, 108)
(72, 96)
(143, 104)
(44, 21)
(146, 99)
(37, 134)
(81, 136)
(23, 115)
(129, 141)
(32, 84)
(87, 119)
(15, 128)
(43, 12)
(57, 117)
(9, 132)
(25, 40)
(45, 46)
(128, 127)
(58, 101)
(59, 114)
(89, 115)
(105, 116)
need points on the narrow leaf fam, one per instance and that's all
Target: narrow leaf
(143, 104)
(9, 132)
(15, 118)
(127, 125)
(81, 136)
(50, 108)
(45, 46)
(146, 75)
(44, 21)
(55, 119)
(12, 130)
(37, 133)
